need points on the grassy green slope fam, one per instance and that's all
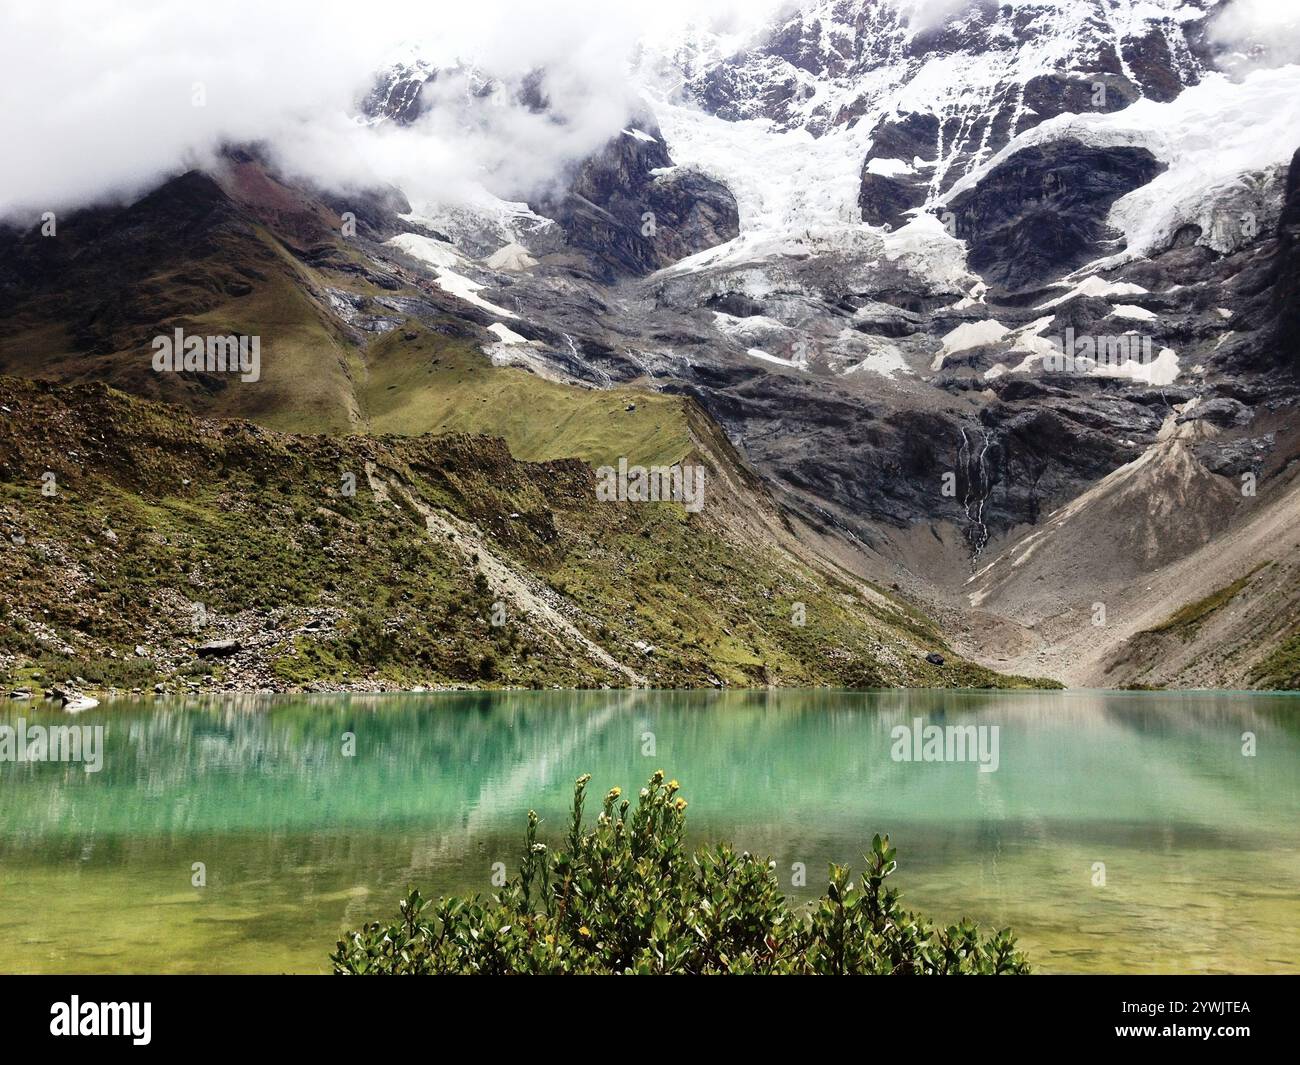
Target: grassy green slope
(157, 510)
(1279, 670)
(239, 281)
(418, 380)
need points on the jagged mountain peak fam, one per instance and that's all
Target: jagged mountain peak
(829, 63)
(857, 239)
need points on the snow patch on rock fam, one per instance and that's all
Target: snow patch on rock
(790, 364)
(506, 335)
(1133, 312)
(511, 258)
(467, 290)
(969, 335)
(427, 250)
(1094, 286)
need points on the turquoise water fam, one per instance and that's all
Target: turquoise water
(1200, 843)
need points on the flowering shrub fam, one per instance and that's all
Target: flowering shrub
(626, 897)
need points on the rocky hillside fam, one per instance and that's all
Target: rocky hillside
(935, 97)
(143, 548)
(995, 304)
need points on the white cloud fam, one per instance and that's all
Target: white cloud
(930, 14)
(1257, 33)
(100, 102)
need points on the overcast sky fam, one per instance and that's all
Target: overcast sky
(102, 102)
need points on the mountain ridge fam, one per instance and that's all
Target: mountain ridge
(195, 554)
(855, 250)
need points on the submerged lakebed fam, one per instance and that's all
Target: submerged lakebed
(1114, 831)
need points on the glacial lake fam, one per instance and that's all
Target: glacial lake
(1120, 831)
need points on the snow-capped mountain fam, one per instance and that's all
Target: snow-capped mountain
(996, 298)
(928, 205)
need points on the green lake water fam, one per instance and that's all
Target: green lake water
(1200, 843)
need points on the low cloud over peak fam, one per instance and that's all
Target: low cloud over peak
(102, 106)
